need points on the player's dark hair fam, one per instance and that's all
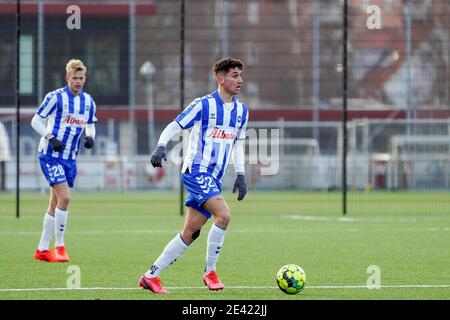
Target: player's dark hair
(225, 64)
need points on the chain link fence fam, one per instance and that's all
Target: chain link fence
(398, 100)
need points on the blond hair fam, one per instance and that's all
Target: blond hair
(75, 65)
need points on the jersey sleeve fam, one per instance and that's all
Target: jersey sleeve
(190, 115)
(241, 135)
(92, 112)
(48, 105)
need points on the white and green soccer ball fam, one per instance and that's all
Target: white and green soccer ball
(291, 279)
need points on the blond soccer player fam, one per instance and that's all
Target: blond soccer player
(60, 121)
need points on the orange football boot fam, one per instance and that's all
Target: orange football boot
(45, 255)
(212, 281)
(152, 284)
(61, 254)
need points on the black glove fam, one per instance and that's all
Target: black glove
(88, 142)
(56, 144)
(158, 155)
(241, 185)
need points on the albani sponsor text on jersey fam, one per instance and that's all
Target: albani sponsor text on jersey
(71, 120)
(217, 133)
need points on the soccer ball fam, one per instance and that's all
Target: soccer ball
(291, 279)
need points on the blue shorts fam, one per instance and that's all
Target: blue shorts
(57, 170)
(201, 187)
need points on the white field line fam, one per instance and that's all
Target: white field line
(363, 219)
(382, 218)
(431, 286)
(93, 216)
(95, 232)
(130, 232)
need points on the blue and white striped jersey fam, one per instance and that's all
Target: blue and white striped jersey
(216, 126)
(67, 117)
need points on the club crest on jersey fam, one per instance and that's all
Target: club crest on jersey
(239, 118)
(217, 133)
(212, 116)
(71, 120)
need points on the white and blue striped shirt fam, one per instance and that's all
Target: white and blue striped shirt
(216, 126)
(67, 117)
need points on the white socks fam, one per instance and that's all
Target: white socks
(216, 237)
(47, 232)
(169, 255)
(177, 246)
(53, 225)
(60, 226)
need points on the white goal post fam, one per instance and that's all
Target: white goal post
(5, 155)
(420, 161)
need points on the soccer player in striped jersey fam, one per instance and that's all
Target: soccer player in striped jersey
(218, 123)
(60, 121)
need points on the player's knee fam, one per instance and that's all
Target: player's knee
(223, 218)
(63, 202)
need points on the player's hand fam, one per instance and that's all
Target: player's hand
(241, 185)
(88, 142)
(56, 145)
(158, 155)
